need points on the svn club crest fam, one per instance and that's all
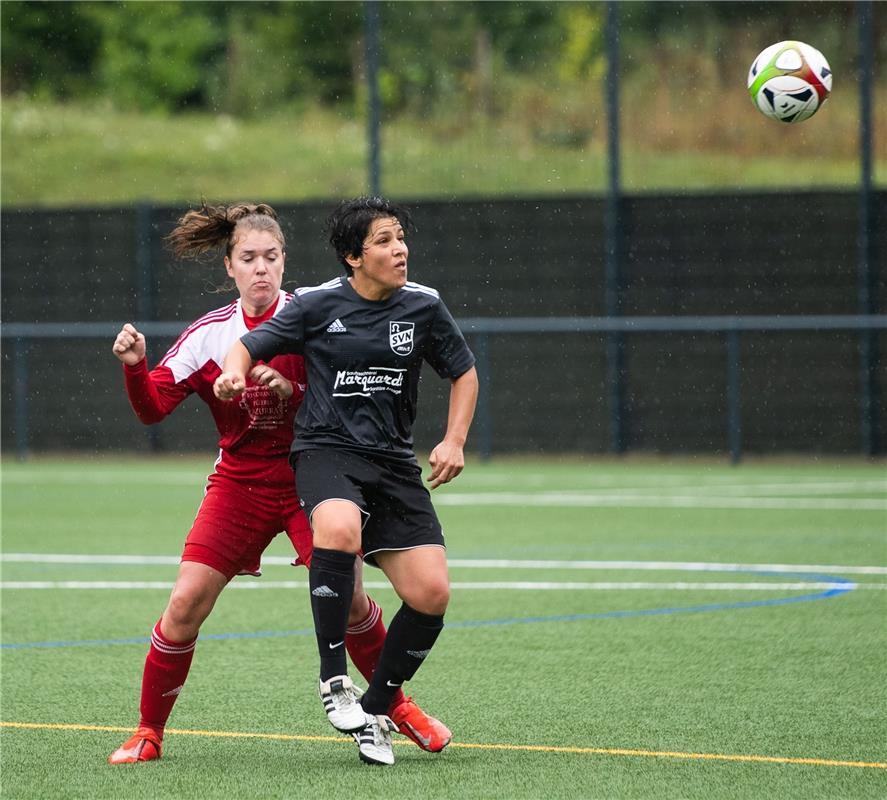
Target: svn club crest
(400, 337)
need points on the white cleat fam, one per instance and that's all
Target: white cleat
(341, 702)
(374, 741)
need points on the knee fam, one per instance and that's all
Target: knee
(439, 598)
(185, 612)
(432, 597)
(337, 535)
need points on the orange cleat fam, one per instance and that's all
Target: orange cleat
(144, 745)
(426, 731)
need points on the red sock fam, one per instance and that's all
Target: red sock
(364, 641)
(166, 669)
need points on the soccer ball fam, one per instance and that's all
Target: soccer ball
(789, 81)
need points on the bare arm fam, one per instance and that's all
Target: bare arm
(447, 459)
(232, 381)
(152, 394)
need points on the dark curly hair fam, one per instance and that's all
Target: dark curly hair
(349, 224)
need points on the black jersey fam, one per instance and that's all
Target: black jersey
(363, 359)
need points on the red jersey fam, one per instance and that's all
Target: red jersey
(256, 429)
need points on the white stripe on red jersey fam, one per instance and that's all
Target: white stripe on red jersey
(255, 430)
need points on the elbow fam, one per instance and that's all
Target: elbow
(468, 379)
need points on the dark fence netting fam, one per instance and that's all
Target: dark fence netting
(709, 254)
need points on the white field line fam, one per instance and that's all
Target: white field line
(715, 493)
(684, 484)
(798, 487)
(665, 566)
(725, 484)
(134, 476)
(752, 586)
(481, 563)
(729, 483)
(620, 500)
(77, 558)
(709, 485)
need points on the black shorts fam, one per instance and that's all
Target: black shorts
(396, 507)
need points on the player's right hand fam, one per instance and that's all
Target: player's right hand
(129, 346)
(266, 376)
(229, 385)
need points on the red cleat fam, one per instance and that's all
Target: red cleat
(144, 745)
(426, 731)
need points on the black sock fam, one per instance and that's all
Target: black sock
(331, 579)
(410, 637)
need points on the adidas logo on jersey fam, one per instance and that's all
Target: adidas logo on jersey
(336, 327)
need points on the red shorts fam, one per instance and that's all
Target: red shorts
(235, 524)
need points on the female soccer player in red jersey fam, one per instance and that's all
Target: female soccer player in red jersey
(249, 497)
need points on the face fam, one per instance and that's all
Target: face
(381, 268)
(256, 265)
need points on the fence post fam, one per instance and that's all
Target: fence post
(734, 397)
(145, 306)
(371, 53)
(868, 343)
(20, 350)
(484, 398)
(615, 344)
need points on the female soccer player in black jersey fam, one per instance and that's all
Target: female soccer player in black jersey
(364, 338)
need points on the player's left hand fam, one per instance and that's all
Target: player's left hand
(267, 376)
(229, 385)
(447, 461)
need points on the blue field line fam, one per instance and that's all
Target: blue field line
(652, 612)
(647, 612)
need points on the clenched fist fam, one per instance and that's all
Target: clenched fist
(129, 346)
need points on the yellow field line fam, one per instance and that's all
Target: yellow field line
(533, 748)
(619, 751)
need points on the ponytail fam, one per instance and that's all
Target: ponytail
(210, 228)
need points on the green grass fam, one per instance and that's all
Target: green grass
(60, 155)
(559, 692)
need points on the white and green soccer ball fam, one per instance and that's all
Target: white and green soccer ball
(789, 81)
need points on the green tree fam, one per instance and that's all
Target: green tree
(157, 55)
(48, 48)
(285, 53)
